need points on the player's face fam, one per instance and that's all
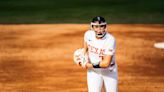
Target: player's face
(99, 29)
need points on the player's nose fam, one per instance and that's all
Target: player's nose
(99, 30)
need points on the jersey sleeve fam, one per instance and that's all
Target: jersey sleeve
(110, 47)
(86, 36)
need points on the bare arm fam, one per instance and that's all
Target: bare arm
(106, 61)
(103, 64)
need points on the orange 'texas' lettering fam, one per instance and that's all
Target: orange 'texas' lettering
(96, 50)
(102, 51)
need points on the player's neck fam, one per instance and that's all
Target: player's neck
(99, 38)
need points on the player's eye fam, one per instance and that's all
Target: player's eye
(99, 26)
(96, 26)
(102, 25)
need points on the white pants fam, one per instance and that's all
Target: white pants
(97, 77)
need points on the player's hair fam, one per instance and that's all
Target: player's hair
(99, 19)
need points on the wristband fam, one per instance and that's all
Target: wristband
(96, 66)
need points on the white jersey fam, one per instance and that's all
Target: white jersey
(97, 77)
(97, 48)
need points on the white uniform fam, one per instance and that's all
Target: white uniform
(97, 48)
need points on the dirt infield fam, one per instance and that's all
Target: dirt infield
(38, 58)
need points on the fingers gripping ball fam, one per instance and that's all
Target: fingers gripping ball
(80, 58)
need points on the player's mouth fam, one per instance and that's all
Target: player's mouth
(99, 34)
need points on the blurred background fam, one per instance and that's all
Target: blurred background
(38, 38)
(81, 11)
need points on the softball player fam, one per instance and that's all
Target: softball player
(100, 47)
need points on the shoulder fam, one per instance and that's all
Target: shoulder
(110, 41)
(110, 37)
(89, 33)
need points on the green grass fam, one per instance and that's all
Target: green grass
(81, 11)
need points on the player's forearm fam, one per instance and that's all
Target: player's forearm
(104, 64)
(100, 65)
(89, 65)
